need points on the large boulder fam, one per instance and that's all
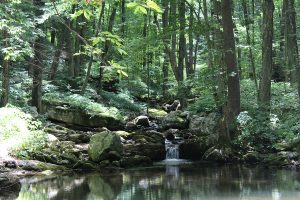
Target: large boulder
(175, 120)
(10, 186)
(65, 112)
(148, 144)
(105, 146)
(142, 121)
(204, 123)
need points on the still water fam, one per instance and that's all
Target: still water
(203, 182)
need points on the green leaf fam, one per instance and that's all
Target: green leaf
(153, 6)
(140, 9)
(76, 14)
(87, 14)
(132, 5)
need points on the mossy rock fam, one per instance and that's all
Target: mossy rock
(73, 114)
(277, 159)
(157, 113)
(101, 144)
(174, 120)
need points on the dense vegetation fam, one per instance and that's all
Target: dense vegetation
(121, 57)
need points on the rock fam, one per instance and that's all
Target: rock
(135, 161)
(131, 126)
(104, 163)
(174, 120)
(52, 138)
(155, 152)
(193, 149)
(218, 155)
(252, 157)
(277, 159)
(142, 121)
(65, 134)
(157, 113)
(102, 143)
(170, 134)
(72, 115)
(204, 124)
(34, 165)
(10, 186)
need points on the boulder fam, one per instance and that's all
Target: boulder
(102, 144)
(220, 155)
(135, 161)
(252, 157)
(142, 121)
(204, 124)
(157, 113)
(72, 115)
(10, 186)
(170, 134)
(175, 120)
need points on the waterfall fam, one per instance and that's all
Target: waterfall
(172, 149)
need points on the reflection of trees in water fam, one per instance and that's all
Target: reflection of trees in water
(226, 181)
(168, 183)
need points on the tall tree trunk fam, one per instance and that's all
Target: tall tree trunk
(5, 75)
(267, 62)
(165, 24)
(182, 91)
(69, 50)
(89, 68)
(123, 18)
(189, 57)
(78, 59)
(107, 45)
(37, 62)
(248, 38)
(233, 81)
(291, 47)
(57, 55)
(182, 41)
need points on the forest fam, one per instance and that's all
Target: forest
(97, 85)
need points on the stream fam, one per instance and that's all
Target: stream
(173, 180)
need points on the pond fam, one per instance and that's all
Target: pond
(189, 181)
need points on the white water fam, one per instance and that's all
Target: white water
(172, 149)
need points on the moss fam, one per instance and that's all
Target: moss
(157, 113)
(80, 102)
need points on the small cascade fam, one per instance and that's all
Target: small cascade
(172, 148)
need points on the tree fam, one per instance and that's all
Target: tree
(233, 82)
(267, 60)
(37, 64)
(5, 74)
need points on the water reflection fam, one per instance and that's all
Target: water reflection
(171, 182)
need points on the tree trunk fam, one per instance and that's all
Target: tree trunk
(233, 81)
(87, 76)
(165, 24)
(291, 47)
(267, 62)
(5, 76)
(248, 38)
(37, 64)
(123, 18)
(107, 45)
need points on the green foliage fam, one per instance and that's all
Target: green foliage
(256, 131)
(20, 132)
(205, 103)
(121, 101)
(136, 88)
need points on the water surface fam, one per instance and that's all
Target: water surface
(203, 182)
